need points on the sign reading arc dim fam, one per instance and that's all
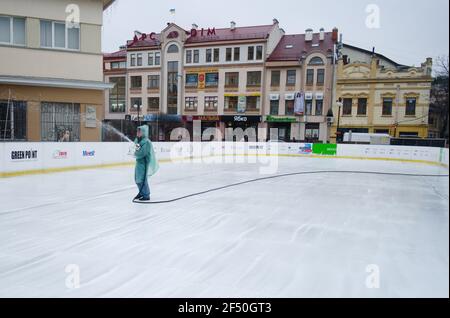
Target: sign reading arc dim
(174, 34)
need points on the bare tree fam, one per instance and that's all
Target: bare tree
(440, 94)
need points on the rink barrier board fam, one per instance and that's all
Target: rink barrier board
(18, 158)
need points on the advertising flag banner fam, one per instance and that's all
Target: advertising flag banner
(242, 103)
(299, 104)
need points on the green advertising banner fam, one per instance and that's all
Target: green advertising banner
(325, 149)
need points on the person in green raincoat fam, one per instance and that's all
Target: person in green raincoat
(146, 163)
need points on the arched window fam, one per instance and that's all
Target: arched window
(316, 61)
(172, 49)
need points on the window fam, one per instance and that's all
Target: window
(136, 82)
(229, 54)
(290, 107)
(139, 59)
(291, 77)
(409, 134)
(216, 55)
(211, 102)
(274, 107)
(362, 107)
(59, 120)
(251, 53)
(192, 80)
(150, 59)
(347, 107)
(59, 35)
(188, 56)
(153, 103)
(308, 106)
(133, 59)
(153, 81)
(191, 103)
(275, 78)
(237, 54)
(382, 131)
(312, 131)
(212, 79)
(172, 87)
(387, 107)
(320, 76)
(259, 52)
(310, 77)
(13, 120)
(253, 102)
(231, 103)
(316, 61)
(196, 56)
(172, 49)
(208, 55)
(253, 78)
(117, 95)
(157, 58)
(232, 79)
(410, 107)
(12, 30)
(136, 104)
(319, 107)
(116, 65)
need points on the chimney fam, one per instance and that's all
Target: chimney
(233, 25)
(275, 21)
(335, 35)
(194, 26)
(322, 34)
(309, 35)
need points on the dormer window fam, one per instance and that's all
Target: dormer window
(172, 49)
(316, 61)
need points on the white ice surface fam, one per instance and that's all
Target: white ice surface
(299, 236)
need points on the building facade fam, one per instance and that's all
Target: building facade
(223, 78)
(378, 95)
(51, 80)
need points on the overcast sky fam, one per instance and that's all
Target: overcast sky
(409, 30)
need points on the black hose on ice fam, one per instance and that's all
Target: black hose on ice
(288, 175)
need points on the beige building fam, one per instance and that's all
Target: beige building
(380, 96)
(51, 76)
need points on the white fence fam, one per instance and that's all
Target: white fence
(37, 157)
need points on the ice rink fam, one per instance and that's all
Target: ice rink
(314, 235)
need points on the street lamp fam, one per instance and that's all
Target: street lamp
(339, 104)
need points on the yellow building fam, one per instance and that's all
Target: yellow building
(51, 74)
(377, 95)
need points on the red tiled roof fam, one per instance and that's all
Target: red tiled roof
(239, 33)
(115, 55)
(300, 47)
(145, 43)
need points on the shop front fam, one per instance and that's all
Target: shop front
(161, 126)
(283, 124)
(208, 125)
(246, 123)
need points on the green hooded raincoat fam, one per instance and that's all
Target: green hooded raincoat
(145, 157)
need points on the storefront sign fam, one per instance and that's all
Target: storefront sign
(242, 119)
(203, 32)
(24, 155)
(202, 118)
(242, 104)
(308, 96)
(274, 96)
(58, 154)
(274, 119)
(163, 118)
(289, 96)
(319, 96)
(325, 149)
(201, 80)
(91, 117)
